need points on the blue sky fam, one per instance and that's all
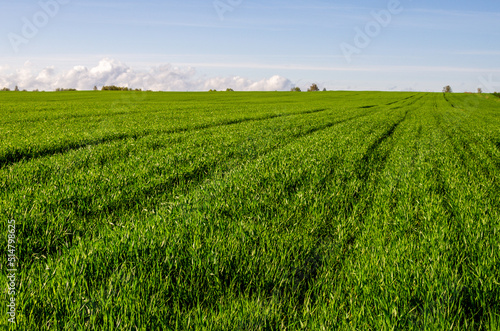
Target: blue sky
(189, 45)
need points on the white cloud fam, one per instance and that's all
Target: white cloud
(242, 84)
(112, 72)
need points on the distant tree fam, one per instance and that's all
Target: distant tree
(214, 90)
(115, 88)
(313, 88)
(479, 90)
(95, 88)
(5, 89)
(60, 89)
(324, 90)
(447, 89)
(16, 89)
(296, 89)
(229, 90)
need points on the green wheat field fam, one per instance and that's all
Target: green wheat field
(251, 211)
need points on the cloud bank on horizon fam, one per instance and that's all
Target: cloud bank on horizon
(113, 72)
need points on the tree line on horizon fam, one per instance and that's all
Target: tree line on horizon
(313, 88)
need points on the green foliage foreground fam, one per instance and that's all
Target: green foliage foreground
(338, 210)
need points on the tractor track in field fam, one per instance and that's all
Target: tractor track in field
(104, 115)
(206, 171)
(388, 104)
(332, 124)
(465, 155)
(299, 135)
(448, 100)
(190, 178)
(496, 144)
(16, 156)
(406, 102)
(85, 116)
(461, 257)
(19, 155)
(466, 150)
(308, 270)
(463, 149)
(363, 165)
(441, 188)
(371, 163)
(402, 100)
